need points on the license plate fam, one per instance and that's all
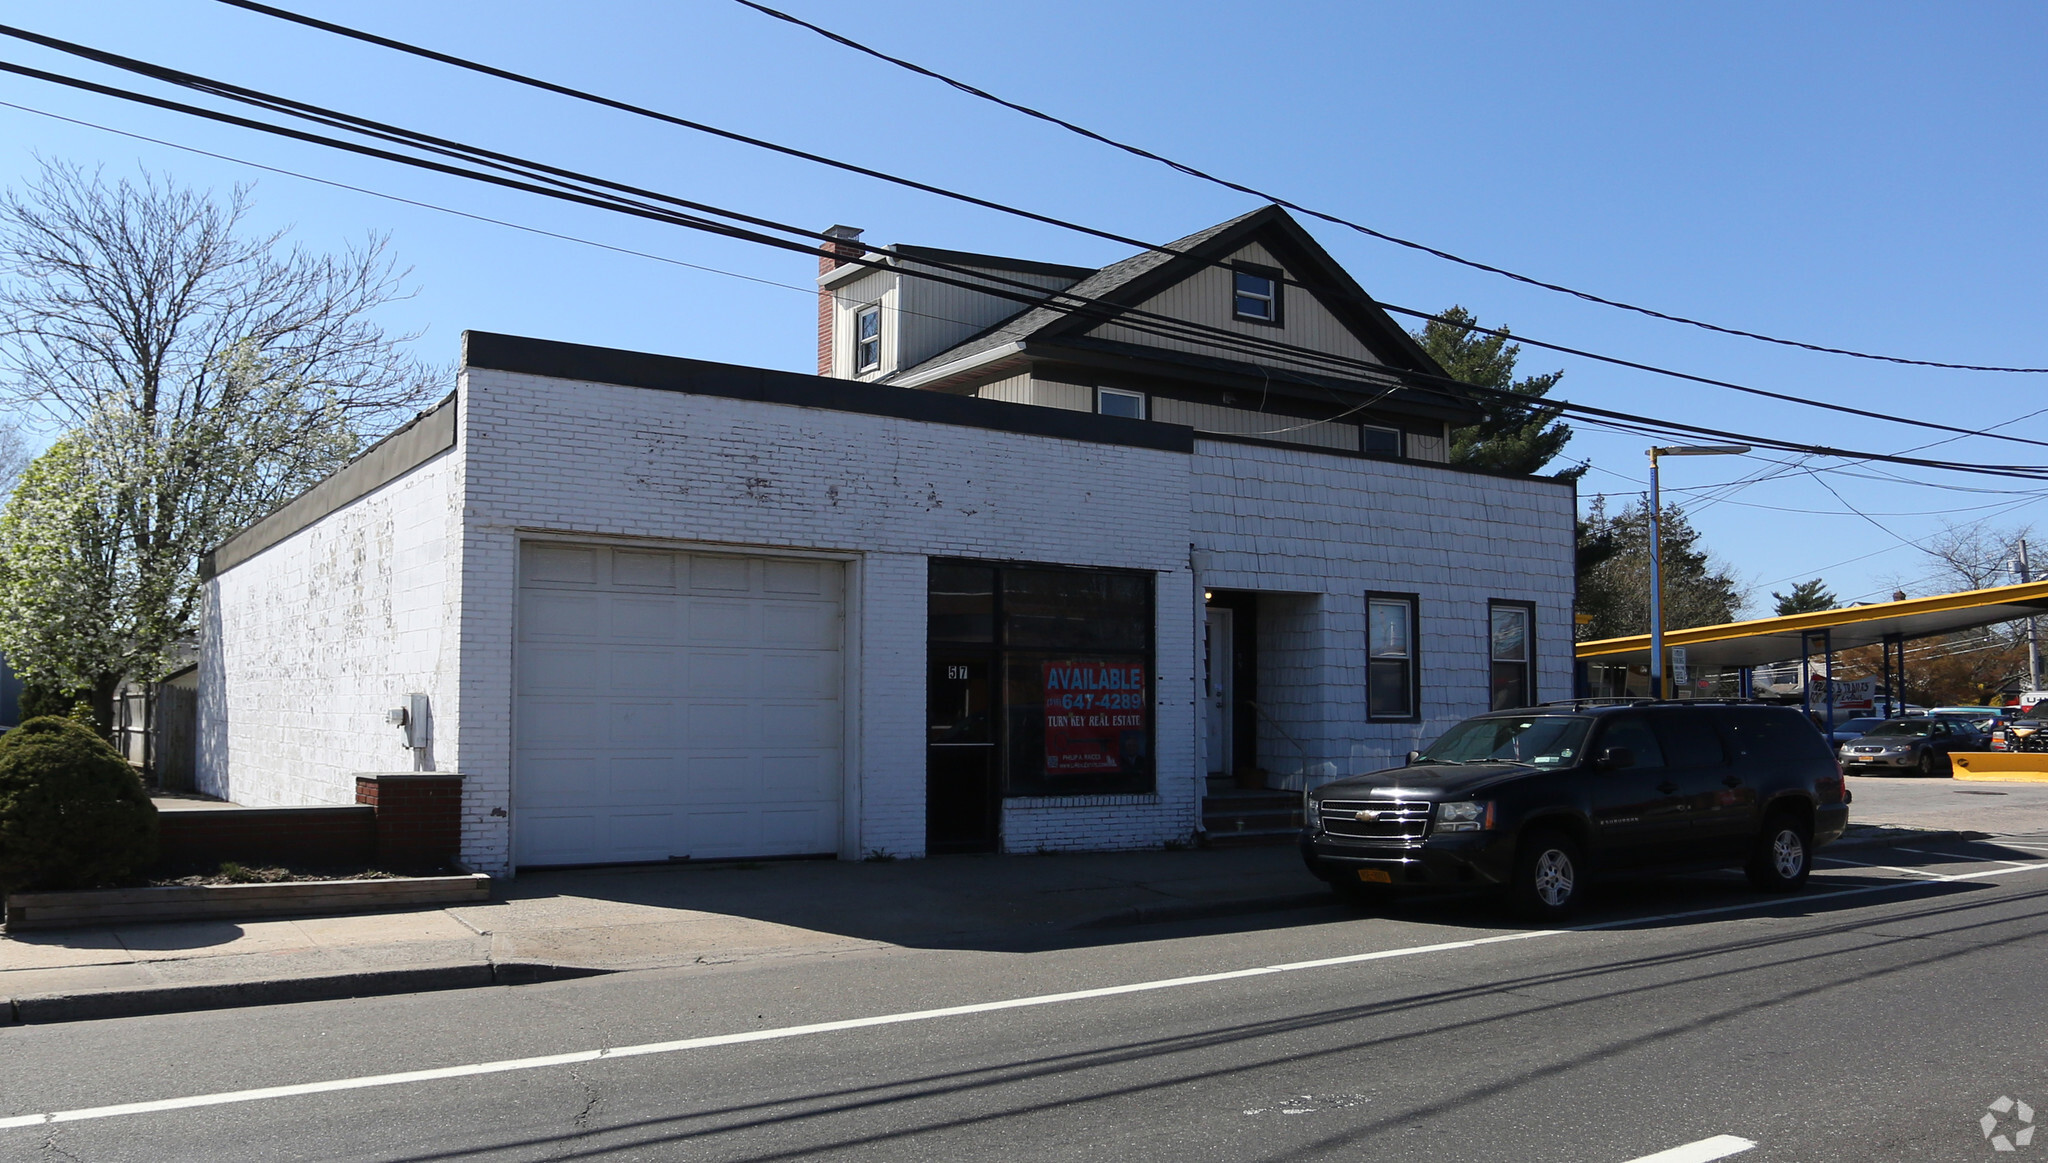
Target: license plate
(1375, 876)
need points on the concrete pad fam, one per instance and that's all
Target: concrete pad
(179, 939)
(383, 928)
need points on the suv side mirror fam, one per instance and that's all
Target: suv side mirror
(1611, 758)
(1413, 756)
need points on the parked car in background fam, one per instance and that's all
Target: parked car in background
(1848, 729)
(1534, 801)
(1918, 745)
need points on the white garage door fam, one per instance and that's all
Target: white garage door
(675, 705)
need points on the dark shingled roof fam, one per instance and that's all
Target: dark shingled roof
(1103, 284)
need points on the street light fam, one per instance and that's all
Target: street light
(1657, 554)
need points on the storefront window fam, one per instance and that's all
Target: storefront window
(1074, 650)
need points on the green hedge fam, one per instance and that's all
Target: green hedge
(73, 813)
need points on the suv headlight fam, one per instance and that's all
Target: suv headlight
(1464, 816)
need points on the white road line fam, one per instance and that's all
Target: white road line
(1885, 867)
(511, 1065)
(1704, 1151)
(1951, 857)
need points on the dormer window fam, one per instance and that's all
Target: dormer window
(1255, 294)
(867, 339)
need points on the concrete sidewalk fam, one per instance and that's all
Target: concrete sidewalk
(552, 924)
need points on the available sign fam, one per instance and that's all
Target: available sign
(1094, 716)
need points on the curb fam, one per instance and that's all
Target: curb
(1897, 837)
(36, 1009)
(1203, 910)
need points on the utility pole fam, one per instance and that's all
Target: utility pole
(2033, 631)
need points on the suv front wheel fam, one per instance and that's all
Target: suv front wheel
(1549, 876)
(1782, 855)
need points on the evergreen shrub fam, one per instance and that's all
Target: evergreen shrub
(73, 813)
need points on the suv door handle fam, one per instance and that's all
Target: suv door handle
(1731, 781)
(1667, 787)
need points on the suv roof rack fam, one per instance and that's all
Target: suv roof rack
(1605, 701)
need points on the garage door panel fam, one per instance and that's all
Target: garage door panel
(810, 624)
(636, 618)
(723, 673)
(541, 562)
(640, 726)
(546, 669)
(641, 836)
(730, 574)
(720, 621)
(810, 675)
(648, 780)
(722, 779)
(799, 828)
(676, 704)
(641, 569)
(807, 776)
(723, 724)
(558, 838)
(634, 670)
(556, 723)
(562, 614)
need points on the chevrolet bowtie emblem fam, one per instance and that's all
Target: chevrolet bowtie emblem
(1366, 817)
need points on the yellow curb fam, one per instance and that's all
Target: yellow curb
(2001, 766)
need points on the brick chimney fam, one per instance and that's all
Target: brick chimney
(844, 245)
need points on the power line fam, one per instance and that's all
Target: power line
(555, 187)
(880, 175)
(1335, 220)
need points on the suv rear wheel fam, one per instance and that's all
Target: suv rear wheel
(1549, 876)
(1782, 855)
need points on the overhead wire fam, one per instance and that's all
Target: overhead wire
(550, 184)
(1333, 219)
(880, 175)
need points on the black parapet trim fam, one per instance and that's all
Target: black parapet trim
(428, 435)
(669, 373)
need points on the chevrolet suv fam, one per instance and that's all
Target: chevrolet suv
(1534, 801)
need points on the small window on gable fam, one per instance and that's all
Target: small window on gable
(867, 339)
(1383, 441)
(1120, 402)
(1255, 295)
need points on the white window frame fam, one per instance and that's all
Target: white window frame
(860, 366)
(1400, 441)
(1271, 297)
(1101, 394)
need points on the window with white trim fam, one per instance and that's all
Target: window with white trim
(1255, 295)
(1391, 672)
(867, 339)
(1382, 441)
(1120, 402)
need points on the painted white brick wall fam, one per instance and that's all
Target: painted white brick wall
(599, 460)
(309, 643)
(1296, 525)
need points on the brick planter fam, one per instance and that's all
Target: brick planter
(109, 906)
(419, 816)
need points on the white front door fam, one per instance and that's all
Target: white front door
(1219, 692)
(675, 705)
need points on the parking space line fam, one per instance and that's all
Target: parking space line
(1952, 858)
(1885, 867)
(1704, 1151)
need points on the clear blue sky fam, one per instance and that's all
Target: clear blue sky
(1860, 175)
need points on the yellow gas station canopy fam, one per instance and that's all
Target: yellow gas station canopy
(1767, 640)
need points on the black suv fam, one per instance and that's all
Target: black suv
(1536, 799)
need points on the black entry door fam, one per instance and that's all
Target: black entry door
(960, 755)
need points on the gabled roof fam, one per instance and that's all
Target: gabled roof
(1136, 279)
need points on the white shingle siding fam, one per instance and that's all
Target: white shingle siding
(308, 644)
(1306, 523)
(415, 587)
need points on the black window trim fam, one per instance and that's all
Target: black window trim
(1414, 603)
(1273, 275)
(1530, 697)
(859, 368)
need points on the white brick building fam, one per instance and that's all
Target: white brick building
(1017, 590)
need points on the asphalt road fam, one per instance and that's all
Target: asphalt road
(1874, 1017)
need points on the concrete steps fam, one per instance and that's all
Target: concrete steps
(1243, 819)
